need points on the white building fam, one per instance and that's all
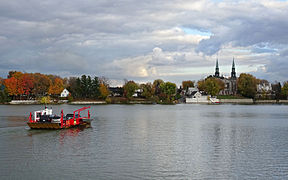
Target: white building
(264, 87)
(199, 98)
(64, 93)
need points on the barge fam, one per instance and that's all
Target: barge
(44, 119)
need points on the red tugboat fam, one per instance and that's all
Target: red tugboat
(44, 119)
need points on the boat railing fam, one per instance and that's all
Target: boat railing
(76, 117)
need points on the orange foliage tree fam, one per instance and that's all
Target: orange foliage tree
(26, 81)
(57, 87)
(11, 86)
(42, 84)
(187, 84)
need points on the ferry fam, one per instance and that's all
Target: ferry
(44, 119)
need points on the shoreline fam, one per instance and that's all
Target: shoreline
(222, 101)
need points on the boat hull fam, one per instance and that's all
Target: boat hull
(39, 125)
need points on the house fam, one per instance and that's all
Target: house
(191, 91)
(64, 93)
(137, 93)
(264, 86)
(264, 90)
(116, 91)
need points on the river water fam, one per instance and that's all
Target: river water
(149, 142)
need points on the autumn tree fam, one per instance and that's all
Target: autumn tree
(187, 84)
(41, 84)
(104, 80)
(11, 86)
(10, 74)
(104, 91)
(57, 87)
(129, 88)
(247, 85)
(26, 81)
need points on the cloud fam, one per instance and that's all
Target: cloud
(243, 23)
(143, 39)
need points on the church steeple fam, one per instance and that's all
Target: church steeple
(233, 73)
(217, 74)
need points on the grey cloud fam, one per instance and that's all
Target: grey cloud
(62, 33)
(246, 25)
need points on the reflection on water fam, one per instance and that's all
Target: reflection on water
(150, 142)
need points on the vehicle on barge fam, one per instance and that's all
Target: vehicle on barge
(44, 119)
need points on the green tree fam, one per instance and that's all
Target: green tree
(3, 93)
(95, 88)
(73, 87)
(201, 85)
(247, 85)
(78, 89)
(129, 88)
(89, 87)
(147, 90)
(169, 89)
(212, 86)
(284, 90)
(276, 88)
(84, 86)
(156, 86)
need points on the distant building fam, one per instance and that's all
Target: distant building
(191, 91)
(116, 91)
(264, 86)
(64, 93)
(137, 93)
(230, 83)
(264, 90)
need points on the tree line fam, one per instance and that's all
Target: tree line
(158, 91)
(19, 85)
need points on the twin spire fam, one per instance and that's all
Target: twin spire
(217, 73)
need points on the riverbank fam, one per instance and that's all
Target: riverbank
(137, 101)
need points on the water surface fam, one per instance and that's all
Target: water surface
(149, 142)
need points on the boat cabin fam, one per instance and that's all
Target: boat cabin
(39, 115)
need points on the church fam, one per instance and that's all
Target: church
(229, 82)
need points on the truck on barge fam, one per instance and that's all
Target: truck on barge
(44, 119)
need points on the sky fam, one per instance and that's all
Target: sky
(173, 40)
